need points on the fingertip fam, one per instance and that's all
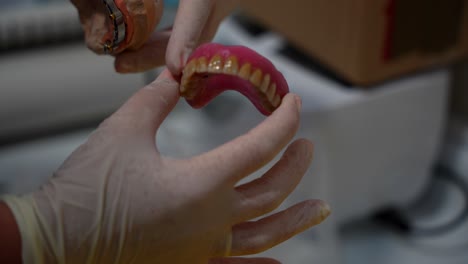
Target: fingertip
(165, 77)
(165, 74)
(150, 56)
(298, 101)
(319, 209)
(288, 112)
(174, 62)
(325, 210)
(120, 66)
(253, 237)
(289, 103)
(125, 62)
(292, 99)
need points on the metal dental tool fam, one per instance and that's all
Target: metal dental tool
(119, 27)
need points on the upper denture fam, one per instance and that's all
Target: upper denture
(214, 68)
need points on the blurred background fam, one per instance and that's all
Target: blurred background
(385, 101)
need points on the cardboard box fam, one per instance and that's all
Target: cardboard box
(368, 41)
(459, 96)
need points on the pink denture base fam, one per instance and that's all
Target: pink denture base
(216, 83)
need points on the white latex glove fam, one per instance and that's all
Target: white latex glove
(196, 22)
(117, 200)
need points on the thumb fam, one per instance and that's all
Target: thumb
(147, 109)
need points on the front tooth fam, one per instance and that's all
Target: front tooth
(190, 68)
(216, 64)
(244, 71)
(271, 92)
(256, 77)
(276, 101)
(184, 83)
(202, 65)
(265, 83)
(231, 66)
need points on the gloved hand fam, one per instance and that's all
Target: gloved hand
(116, 199)
(141, 17)
(196, 22)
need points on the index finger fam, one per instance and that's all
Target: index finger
(189, 23)
(251, 151)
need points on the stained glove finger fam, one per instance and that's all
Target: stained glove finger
(94, 21)
(190, 21)
(265, 194)
(258, 236)
(243, 261)
(150, 56)
(141, 17)
(242, 156)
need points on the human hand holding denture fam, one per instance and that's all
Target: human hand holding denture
(124, 28)
(116, 199)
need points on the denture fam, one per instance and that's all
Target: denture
(214, 68)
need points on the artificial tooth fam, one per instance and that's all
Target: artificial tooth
(183, 85)
(265, 83)
(271, 92)
(231, 66)
(190, 68)
(244, 71)
(256, 78)
(276, 101)
(202, 64)
(216, 64)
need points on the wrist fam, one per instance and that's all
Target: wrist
(10, 242)
(28, 226)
